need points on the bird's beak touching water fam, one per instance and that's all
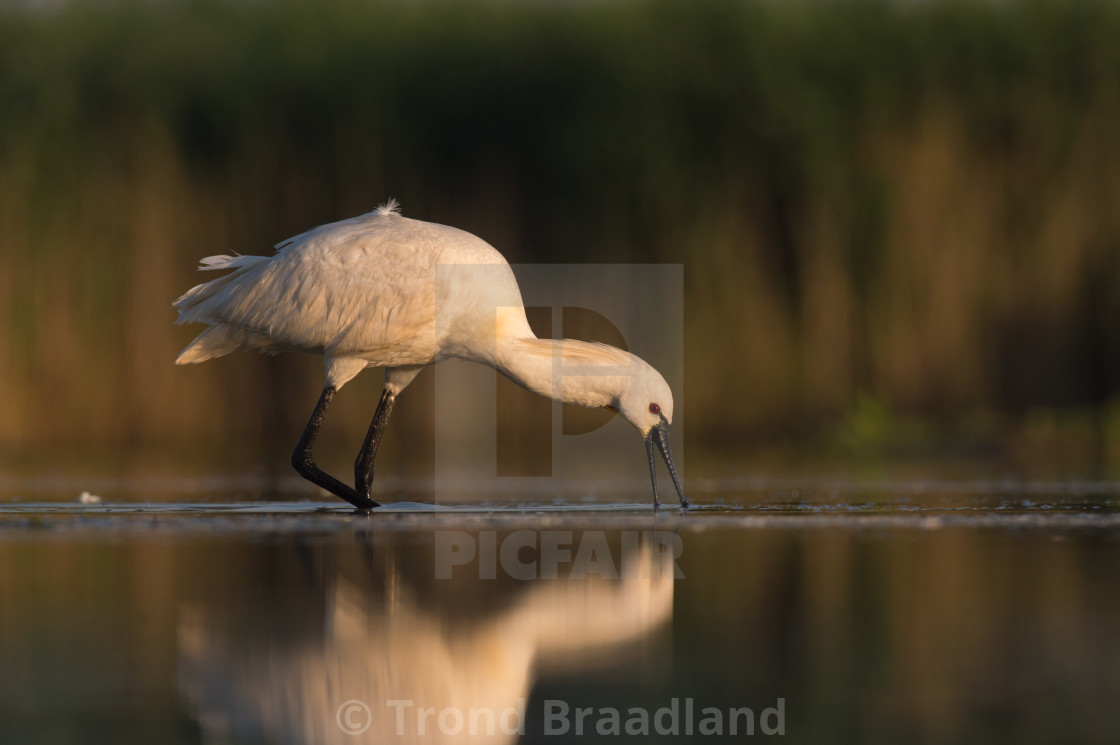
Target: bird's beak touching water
(659, 436)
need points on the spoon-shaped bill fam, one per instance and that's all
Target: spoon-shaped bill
(659, 436)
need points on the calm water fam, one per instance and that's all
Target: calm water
(820, 613)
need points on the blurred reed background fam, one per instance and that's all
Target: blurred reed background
(899, 222)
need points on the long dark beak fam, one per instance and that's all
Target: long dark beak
(659, 436)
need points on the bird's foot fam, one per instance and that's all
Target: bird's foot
(362, 502)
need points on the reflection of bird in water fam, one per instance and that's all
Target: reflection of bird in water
(370, 643)
(381, 290)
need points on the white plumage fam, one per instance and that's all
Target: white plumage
(382, 290)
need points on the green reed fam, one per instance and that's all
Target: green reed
(917, 204)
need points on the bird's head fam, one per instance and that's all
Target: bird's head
(647, 400)
(647, 403)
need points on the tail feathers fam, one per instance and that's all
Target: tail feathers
(214, 263)
(203, 303)
(218, 341)
(211, 303)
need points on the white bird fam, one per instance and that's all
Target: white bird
(382, 290)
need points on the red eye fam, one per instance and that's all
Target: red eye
(654, 409)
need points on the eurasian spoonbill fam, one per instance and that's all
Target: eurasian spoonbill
(365, 292)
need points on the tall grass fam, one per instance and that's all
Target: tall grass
(916, 202)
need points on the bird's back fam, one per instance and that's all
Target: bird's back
(365, 287)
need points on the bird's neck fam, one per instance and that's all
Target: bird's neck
(574, 372)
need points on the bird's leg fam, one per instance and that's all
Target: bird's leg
(303, 461)
(363, 466)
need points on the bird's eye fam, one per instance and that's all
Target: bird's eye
(654, 409)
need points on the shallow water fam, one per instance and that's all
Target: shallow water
(980, 611)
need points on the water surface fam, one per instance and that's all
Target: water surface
(922, 612)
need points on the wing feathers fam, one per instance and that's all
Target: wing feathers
(360, 287)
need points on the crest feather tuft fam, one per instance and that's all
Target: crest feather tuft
(391, 207)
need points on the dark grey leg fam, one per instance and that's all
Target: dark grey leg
(303, 461)
(363, 466)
